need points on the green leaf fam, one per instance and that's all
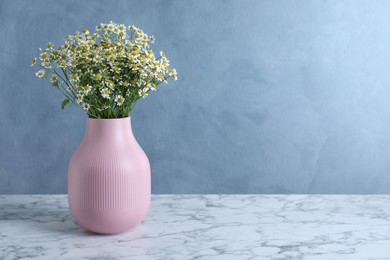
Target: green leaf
(64, 103)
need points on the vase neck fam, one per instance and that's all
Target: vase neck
(110, 129)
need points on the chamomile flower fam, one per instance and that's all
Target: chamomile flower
(86, 106)
(139, 31)
(34, 61)
(97, 77)
(174, 74)
(116, 69)
(153, 86)
(132, 28)
(87, 89)
(46, 64)
(69, 89)
(105, 93)
(79, 98)
(110, 84)
(143, 92)
(43, 56)
(119, 100)
(53, 78)
(40, 73)
(62, 64)
(122, 28)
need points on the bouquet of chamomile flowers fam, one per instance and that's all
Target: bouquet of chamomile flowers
(105, 72)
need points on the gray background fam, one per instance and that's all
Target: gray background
(272, 97)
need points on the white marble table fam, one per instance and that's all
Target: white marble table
(211, 227)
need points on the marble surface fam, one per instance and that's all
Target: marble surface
(211, 227)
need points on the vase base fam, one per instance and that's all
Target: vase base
(109, 222)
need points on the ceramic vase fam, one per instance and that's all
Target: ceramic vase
(109, 178)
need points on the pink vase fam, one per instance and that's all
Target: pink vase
(109, 178)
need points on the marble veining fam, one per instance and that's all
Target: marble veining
(211, 227)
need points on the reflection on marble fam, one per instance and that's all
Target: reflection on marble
(211, 227)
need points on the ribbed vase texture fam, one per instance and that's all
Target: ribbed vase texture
(109, 178)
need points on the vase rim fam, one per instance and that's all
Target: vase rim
(121, 118)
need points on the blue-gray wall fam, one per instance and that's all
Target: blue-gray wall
(273, 96)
